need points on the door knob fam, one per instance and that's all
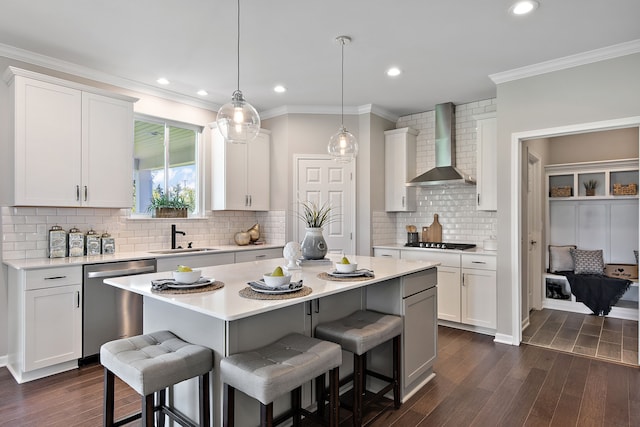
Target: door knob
(533, 242)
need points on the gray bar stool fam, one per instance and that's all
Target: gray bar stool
(149, 364)
(281, 367)
(358, 333)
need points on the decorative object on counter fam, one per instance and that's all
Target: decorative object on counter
(242, 238)
(346, 266)
(276, 279)
(92, 243)
(238, 121)
(254, 232)
(435, 230)
(590, 187)
(75, 240)
(315, 217)
(425, 234)
(625, 190)
(167, 205)
(108, 244)
(490, 244)
(343, 146)
(57, 242)
(170, 286)
(292, 252)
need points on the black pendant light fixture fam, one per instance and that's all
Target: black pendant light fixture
(343, 146)
(238, 121)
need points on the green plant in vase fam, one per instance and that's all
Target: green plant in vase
(167, 205)
(590, 187)
(314, 217)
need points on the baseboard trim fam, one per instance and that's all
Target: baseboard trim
(504, 339)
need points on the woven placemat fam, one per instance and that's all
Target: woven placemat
(210, 287)
(251, 294)
(325, 276)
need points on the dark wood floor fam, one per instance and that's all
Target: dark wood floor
(478, 383)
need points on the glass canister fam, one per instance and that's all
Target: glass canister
(92, 243)
(108, 244)
(76, 242)
(57, 242)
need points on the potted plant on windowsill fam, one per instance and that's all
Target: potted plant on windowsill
(167, 206)
(315, 218)
(590, 187)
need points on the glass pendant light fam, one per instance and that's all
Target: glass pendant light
(238, 121)
(343, 146)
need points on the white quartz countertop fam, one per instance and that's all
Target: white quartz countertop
(36, 263)
(226, 303)
(477, 250)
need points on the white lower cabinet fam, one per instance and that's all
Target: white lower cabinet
(479, 290)
(45, 321)
(196, 261)
(466, 285)
(258, 255)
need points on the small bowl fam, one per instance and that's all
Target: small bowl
(276, 281)
(187, 277)
(346, 268)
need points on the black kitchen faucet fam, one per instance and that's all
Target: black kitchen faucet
(173, 235)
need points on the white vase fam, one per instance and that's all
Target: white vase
(313, 245)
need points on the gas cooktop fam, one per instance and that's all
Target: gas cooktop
(441, 245)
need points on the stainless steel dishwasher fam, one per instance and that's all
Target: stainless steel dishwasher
(109, 313)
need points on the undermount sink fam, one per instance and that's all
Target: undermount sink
(182, 251)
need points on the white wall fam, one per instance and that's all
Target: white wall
(595, 92)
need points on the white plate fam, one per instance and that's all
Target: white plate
(274, 291)
(354, 274)
(203, 281)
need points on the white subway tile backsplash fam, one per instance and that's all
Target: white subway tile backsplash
(455, 205)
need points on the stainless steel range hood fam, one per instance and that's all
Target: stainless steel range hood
(445, 171)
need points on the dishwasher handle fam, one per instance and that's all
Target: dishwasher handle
(123, 272)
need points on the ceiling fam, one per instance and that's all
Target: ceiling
(446, 49)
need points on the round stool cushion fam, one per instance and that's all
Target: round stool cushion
(281, 367)
(361, 331)
(152, 362)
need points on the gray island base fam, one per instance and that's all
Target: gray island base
(228, 323)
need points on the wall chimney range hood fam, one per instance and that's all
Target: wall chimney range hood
(445, 171)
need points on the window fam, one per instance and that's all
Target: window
(165, 163)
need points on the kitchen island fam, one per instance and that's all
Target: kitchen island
(229, 323)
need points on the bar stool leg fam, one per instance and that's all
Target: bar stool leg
(320, 394)
(229, 406)
(357, 388)
(296, 398)
(161, 402)
(396, 372)
(205, 412)
(147, 410)
(334, 398)
(266, 415)
(108, 399)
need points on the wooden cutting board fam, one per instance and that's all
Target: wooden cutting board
(435, 230)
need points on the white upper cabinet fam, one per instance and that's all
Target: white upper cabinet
(240, 173)
(70, 146)
(399, 168)
(487, 162)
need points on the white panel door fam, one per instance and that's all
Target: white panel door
(321, 180)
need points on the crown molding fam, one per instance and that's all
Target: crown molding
(101, 77)
(327, 109)
(571, 61)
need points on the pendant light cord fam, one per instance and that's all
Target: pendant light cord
(238, 48)
(342, 84)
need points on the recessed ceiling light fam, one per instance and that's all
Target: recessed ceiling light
(163, 81)
(202, 92)
(393, 71)
(523, 7)
(280, 89)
